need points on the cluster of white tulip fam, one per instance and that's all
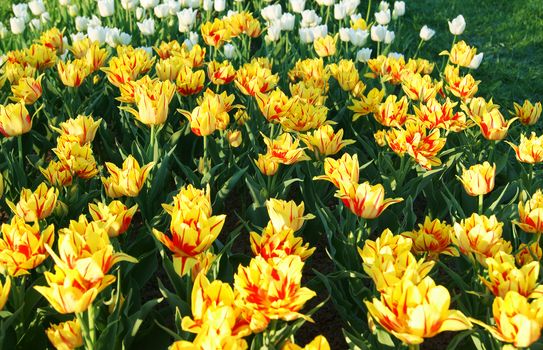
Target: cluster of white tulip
(92, 28)
(380, 32)
(18, 23)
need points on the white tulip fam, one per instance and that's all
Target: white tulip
(319, 31)
(399, 9)
(310, 18)
(77, 37)
(112, 36)
(358, 36)
(340, 11)
(207, 5)
(351, 6)
(384, 5)
(287, 21)
(355, 17)
(162, 11)
(64, 2)
(326, 3)
(306, 35)
(148, 4)
(3, 33)
(457, 25)
(186, 18)
(194, 37)
(94, 22)
(344, 34)
(106, 8)
(395, 55)
(139, 13)
(271, 13)
(378, 33)
(194, 4)
(426, 33)
(97, 33)
(383, 17)
(173, 7)
(129, 4)
(273, 33)
(81, 23)
(20, 10)
(147, 49)
(35, 24)
(389, 37)
(476, 61)
(147, 27)
(36, 7)
(45, 17)
(125, 39)
(297, 5)
(363, 55)
(73, 10)
(220, 5)
(17, 25)
(229, 51)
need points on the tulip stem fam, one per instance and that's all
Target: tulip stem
(480, 206)
(368, 11)
(414, 346)
(92, 330)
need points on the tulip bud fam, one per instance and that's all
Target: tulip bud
(479, 179)
(426, 33)
(457, 25)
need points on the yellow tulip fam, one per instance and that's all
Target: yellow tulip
(234, 138)
(14, 119)
(307, 92)
(37, 205)
(274, 105)
(95, 56)
(392, 112)
(270, 289)
(221, 73)
(168, 69)
(65, 335)
(528, 113)
(152, 102)
(4, 292)
(167, 49)
(53, 39)
(365, 200)
(27, 89)
(22, 246)
(325, 46)
(530, 150)
(462, 87)
(341, 171)
(274, 243)
(528, 253)
(215, 33)
(433, 237)
(504, 276)
(318, 343)
(40, 56)
(420, 87)
(286, 215)
(284, 149)
(304, 116)
(479, 179)
(254, 77)
(189, 198)
(83, 127)
(493, 125)
(266, 164)
(433, 114)
(531, 214)
(73, 73)
(517, 320)
(346, 74)
(211, 113)
(480, 236)
(461, 54)
(412, 312)
(189, 82)
(127, 181)
(312, 72)
(79, 159)
(116, 214)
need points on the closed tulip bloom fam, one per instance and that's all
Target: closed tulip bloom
(14, 119)
(234, 138)
(215, 33)
(274, 243)
(528, 253)
(480, 237)
(386, 243)
(274, 105)
(83, 128)
(479, 179)
(413, 312)
(117, 215)
(517, 320)
(22, 246)
(147, 27)
(426, 33)
(528, 113)
(65, 335)
(342, 171)
(190, 82)
(73, 73)
(79, 159)
(324, 141)
(420, 87)
(106, 8)
(346, 74)
(266, 164)
(461, 54)
(531, 214)
(271, 290)
(530, 150)
(325, 46)
(221, 73)
(462, 87)
(318, 343)
(285, 149)
(457, 25)
(365, 200)
(4, 292)
(127, 181)
(476, 61)
(504, 276)
(433, 237)
(37, 205)
(392, 112)
(168, 69)
(286, 215)
(493, 125)
(152, 102)
(27, 89)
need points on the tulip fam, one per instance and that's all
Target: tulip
(271, 290)
(462, 87)
(186, 18)
(266, 164)
(426, 33)
(17, 25)
(528, 113)
(392, 112)
(57, 174)
(412, 312)
(14, 119)
(421, 88)
(324, 141)
(457, 25)
(363, 55)
(78, 158)
(116, 215)
(215, 33)
(531, 214)
(530, 150)
(367, 104)
(433, 237)
(36, 7)
(83, 128)
(4, 292)
(383, 17)
(399, 9)
(476, 61)
(286, 215)
(127, 181)
(365, 200)
(284, 149)
(27, 89)
(517, 320)
(318, 343)
(37, 205)
(147, 27)
(190, 82)
(528, 253)
(325, 46)
(378, 33)
(152, 102)
(493, 125)
(229, 51)
(341, 171)
(73, 73)
(287, 22)
(274, 243)
(479, 179)
(254, 77)
(480, 236)
(65, 335)
(461, 54)
(221, 73)
(106, 8)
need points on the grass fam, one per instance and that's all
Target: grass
(510, 33)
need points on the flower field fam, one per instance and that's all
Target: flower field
(329, 174)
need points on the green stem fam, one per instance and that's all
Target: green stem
(480, 206)
(92, 329)
(418, 48)
(368, 11)
(414, 346)
(20, 149)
